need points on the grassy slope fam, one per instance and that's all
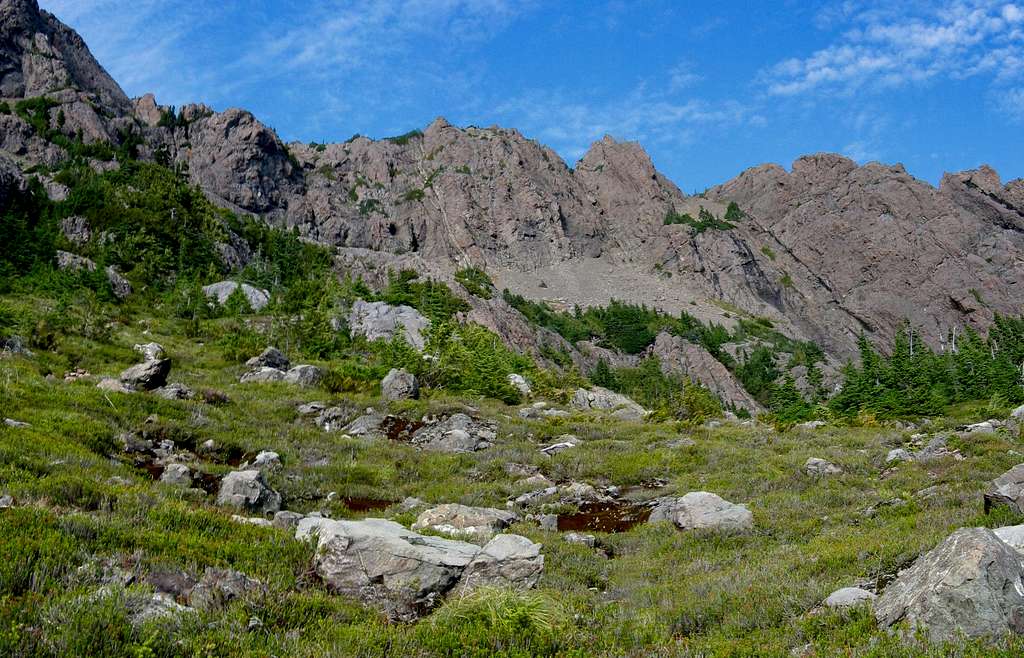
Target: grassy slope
(664, 592)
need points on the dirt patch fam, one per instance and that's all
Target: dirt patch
(357, 504)
(396, 428)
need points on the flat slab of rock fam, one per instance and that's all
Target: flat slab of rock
(455, 519)
(406, 574)
(381, 321)
(700, 510)
(848, 597)
(970, 584)
(262, 375)
(247, 490)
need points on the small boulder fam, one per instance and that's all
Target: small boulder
(700, 510)
(174, 391)
(1018, 413)
(811, 425)
(287, 520)
(564, 442)
(257, 297)
(1007, 489)
(269, 358)
(111, 385)
(146, 376)
(177, 474)
(267, 459)
(970, 585)
(247, 490)
(311, 408)
(457, 433)
(519, 383)
(848, 597)
(16, 424)
(455, 519)
(816, 467)
(582, 539)
(303, 375)
(399, 385)
(150, 351)
(601, 399)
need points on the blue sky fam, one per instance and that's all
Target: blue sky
(708, 88)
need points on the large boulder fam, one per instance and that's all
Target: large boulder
(1007, 489)
(247, 490)
(303, 375)
(146, 376)
(257, 297)
(381, 321)
(970, 585)
(699, 510)
(601, 399)
(455, 519)
(407, 574)
(399, 384)
(457, 433)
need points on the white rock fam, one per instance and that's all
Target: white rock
(848, 597)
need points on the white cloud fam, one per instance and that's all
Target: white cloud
(886, 48)
(1011, 103)
(683, 75)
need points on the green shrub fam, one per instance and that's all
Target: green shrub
(476, 282)
(404, 138)
(733, 212)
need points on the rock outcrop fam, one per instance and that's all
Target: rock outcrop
(700, 510)
(970, 584)
(381, 321)
(406, 574)
(696, 363)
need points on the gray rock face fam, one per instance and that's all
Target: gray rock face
(457, 433)
(848, 597)
(897, 455)
(971, 583)
(455, 519)
(220, 291)
(269, 358)
(601, 399)
(146, 376)
(1012, 535)
(303, 375)
(1007, 489)
(381, 321)
(699, 510)
(399, 385)
(680, 356)
(247, 490)
(406, 574)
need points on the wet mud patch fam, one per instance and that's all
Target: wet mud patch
(617, 516)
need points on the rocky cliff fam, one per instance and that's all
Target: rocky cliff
(825, 250)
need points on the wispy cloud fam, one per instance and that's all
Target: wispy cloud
(887, 48)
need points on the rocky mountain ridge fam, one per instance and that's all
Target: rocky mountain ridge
(824, 251)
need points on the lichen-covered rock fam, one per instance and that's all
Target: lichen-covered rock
(700, 510)
(970, 584)
(247, 490)
(399, 384)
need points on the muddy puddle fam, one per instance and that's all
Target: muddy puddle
(618, 516)
(396, 428)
